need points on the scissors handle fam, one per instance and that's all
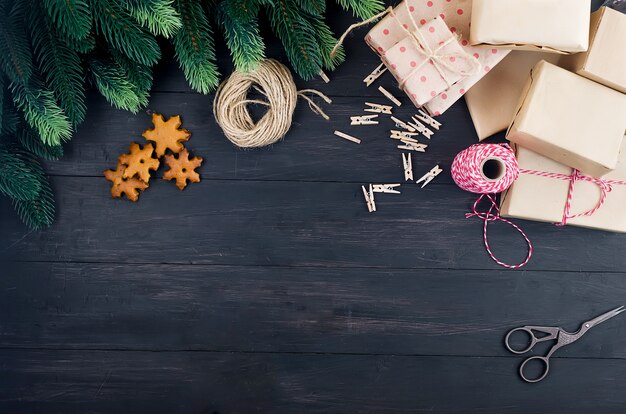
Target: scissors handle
(545, 362)
(550, 334)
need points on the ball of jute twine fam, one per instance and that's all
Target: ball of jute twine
(274, 81)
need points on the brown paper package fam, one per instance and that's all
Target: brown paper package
(493, 100)
(571, 119)
(605, 61)
(543, 199)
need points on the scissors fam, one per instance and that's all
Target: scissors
(562, 338)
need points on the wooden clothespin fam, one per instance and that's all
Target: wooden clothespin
(428, 120)
(428, 177)
(408, 167)
(402, 124)
(364, 120)
(379, 109)
(371, 78)
(413, 146)
(369, 198)
(386, 188)
(348, 137)
(421, 128)
(389, 96)
(324, 76)
(402, 135)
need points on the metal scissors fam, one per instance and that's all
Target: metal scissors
(562, 338)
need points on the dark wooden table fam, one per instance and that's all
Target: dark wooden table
(268, 287)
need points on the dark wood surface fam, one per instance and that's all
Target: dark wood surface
(268, 287)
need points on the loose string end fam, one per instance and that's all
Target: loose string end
(356, 26)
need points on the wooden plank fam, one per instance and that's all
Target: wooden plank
(233, 308)
(198, 382)
(290, 224)
(310, 152)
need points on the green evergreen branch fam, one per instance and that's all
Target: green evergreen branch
(84, 45)
(30, 141)
(41, 111)
(17, 180)
(15, 55)
(124, 33)
(140, 77)
(243, 11)
(314, 7)
(195, 49)
(112, 82)
(37, 213)
(71, 17)
(160, 18)
(363, 9)
(60, 65)
(298, 37)
(243, 39)
(327, 42)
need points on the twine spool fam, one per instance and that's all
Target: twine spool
(485, 168)
(272, 80)
(488, 169)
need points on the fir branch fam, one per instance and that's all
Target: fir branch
(243, 11)
(39, 212)
(10, 117)
(2, 90)
(30, 141)
(160, 18)
(71, 17)
(15, 55)
(114, 85)
(363, 9)
(194, 46)
(17, 180)
(41, 111)
(124, 34)
(60, 65)
(298, 37)
(243, 39)
(314, 7)
(327, 42)
(140, 76)
(84, 45)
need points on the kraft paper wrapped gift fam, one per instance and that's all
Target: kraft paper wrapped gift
(539, 198)
(560, 26)
(570, 119)
(456, 14)
(493, 100)
(605, 60)
(423, 77)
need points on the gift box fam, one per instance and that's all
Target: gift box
(456, 14)
(560, 26)
(493, 100)
(604, 61)
(570, 119)
(428, 61)
(542, 189)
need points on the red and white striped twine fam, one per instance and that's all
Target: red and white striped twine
(467, 172)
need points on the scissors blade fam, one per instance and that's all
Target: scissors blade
(604, 317)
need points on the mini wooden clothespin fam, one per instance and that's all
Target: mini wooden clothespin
(403, 135)
(386, 188)
(428, 120)
(421, 128)
(413, 146)
(379, 109)
(324, 76)
(371, 78)
(348, 137)
(364, 120)
(402, 124)
(428, 177)
(389, 96)
(369, 198)
(408, 167)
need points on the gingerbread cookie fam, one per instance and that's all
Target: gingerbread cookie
(166, 134)
(129, 186)
(182, 168)
(139, 161)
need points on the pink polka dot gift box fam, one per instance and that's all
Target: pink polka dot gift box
(457, 16)
(429, 61)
